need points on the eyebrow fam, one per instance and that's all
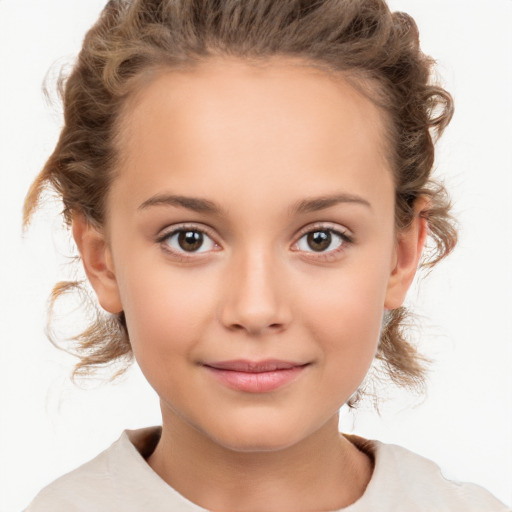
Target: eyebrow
(191, 203)
(322, 202)
(200, 205)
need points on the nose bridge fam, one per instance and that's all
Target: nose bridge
(255, 296)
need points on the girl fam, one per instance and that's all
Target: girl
(249, 188)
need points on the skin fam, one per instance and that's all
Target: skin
(256, 141)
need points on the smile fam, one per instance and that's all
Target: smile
(255, 377)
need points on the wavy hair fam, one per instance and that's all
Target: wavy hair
(375, 49)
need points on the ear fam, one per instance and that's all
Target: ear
(97, 260)
(408, 249)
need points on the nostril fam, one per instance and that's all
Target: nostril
(255, 329)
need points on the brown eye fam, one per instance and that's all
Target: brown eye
(319, 240)
(190, 241)
(322, 241)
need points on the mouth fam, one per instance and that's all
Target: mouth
(256, 376)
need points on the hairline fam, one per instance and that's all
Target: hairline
(358, 79)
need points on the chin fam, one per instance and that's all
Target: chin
(258, 435)
(256, 443)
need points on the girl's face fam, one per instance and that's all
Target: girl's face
(250, 242)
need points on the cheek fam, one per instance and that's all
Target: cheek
(346, 316)
(348, 350)
(166, 311)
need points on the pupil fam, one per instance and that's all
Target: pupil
(190, 240)
(319, 240)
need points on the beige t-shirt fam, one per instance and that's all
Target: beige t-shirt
(120, 480)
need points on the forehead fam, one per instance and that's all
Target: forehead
(243, 87)
(280, 122)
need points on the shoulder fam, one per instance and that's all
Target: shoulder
(118, 480)
(104, 482)
(404, 480)
(426, 482)
(73, 492)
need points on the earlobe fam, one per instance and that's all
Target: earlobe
(409, 248)
(97, 261)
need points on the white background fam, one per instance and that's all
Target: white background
(48, 426)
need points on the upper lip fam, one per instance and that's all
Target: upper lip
(242, 365)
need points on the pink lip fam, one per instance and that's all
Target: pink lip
(255, 376)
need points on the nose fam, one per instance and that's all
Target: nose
(255, 298)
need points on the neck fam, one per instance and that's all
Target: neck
(322, 472)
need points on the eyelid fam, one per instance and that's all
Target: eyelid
(169, 231)
(341, 231)
(326, 226)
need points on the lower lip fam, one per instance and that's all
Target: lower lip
(256, 382)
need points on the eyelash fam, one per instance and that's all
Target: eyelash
(345, 239)
(184, 228)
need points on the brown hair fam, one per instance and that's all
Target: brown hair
(378, 51)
